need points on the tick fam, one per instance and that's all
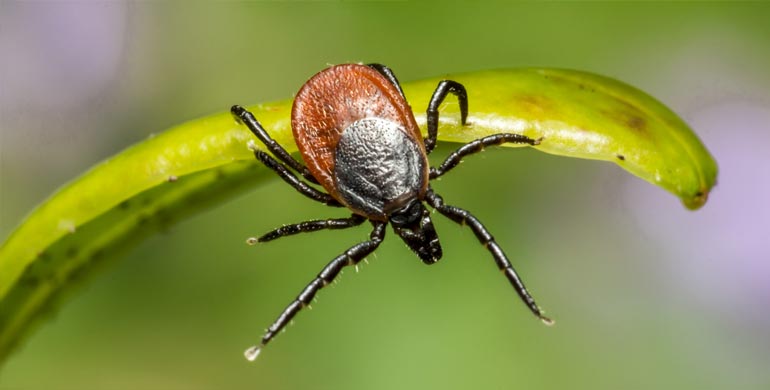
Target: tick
(360, 142)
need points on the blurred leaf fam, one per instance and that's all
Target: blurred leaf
(203, 162)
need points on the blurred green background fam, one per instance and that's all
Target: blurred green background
(646, 295)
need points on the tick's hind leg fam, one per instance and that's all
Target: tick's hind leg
(477, 146)
(309, 226)
(463, 217)
(351, 257)
(246, 117)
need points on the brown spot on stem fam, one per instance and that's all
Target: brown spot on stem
(533, 104)
(636, 123)
(631, 119)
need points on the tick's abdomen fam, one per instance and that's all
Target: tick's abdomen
(378, 168)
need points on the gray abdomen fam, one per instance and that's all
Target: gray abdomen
(378, 168)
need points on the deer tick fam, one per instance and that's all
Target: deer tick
(360, 142)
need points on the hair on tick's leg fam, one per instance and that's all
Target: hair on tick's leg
(352, 256)
(465, 218)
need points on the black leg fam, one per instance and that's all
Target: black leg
(309, 226)
(388, 73)
(477, 146)
(444, 87)
(244, 116)
(298, 184)
(351, 257)
(463, 217)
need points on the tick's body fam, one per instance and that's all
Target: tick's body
(361, 143)
(359, 139)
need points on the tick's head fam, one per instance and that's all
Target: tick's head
(412, 223)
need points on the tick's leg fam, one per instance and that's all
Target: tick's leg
(388, 73)
(463, 217)
(444, 87)
(351, 257)
(309, 226)
(246, 117)
(298, 184)
(477, 146)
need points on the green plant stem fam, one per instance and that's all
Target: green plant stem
(199, 163)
